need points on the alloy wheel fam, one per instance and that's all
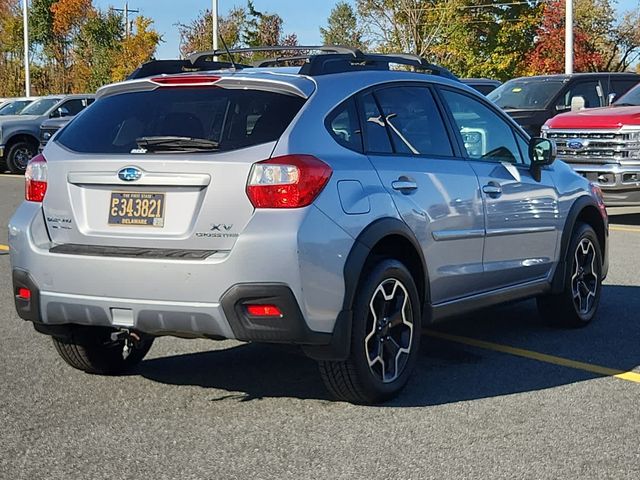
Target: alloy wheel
(21, 157)
(584, 281)
(390, 330)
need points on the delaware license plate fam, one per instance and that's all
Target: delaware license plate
(137, 209)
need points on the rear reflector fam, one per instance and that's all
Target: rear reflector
(290, 181)
(35, 179)
(264, 311)
(24, 293)
(186, 80)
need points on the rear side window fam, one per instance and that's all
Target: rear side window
(374, 126)
(344, 126)
(232, 118)
(414, 121)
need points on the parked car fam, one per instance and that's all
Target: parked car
(13, 106)
(603, 145)
(531, 101)
(49, 127)
(20, 134)
(340, 206)
(483, 85)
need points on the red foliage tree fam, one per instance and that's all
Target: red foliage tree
(547, 55)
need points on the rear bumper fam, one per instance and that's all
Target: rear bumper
(620, 184)
(184, 297)
(228, 319)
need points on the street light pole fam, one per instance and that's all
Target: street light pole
(27, 73)
(214, 18)
(568, 37)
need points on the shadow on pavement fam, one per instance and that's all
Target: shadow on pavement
(446, 372)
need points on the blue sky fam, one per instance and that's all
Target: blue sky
(304, 17)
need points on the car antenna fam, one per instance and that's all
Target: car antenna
(226, 49)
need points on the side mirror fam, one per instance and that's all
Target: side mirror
(612, 96)
(60, 112)
(577, 103)
(542, 151)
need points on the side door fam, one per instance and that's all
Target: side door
(435, 193)
(521, 211)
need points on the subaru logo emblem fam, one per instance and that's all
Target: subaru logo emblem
(576, 144)
(129, 174)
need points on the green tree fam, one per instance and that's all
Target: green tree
(342, 27)
(136, 49)
(468, 37)
(96, 49)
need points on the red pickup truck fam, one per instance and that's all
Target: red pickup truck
(603, 145)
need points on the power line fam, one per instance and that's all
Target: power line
(126, 12)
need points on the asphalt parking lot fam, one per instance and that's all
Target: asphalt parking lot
(497, 394)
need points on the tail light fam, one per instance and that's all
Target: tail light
(290, 181)
(261, 310)
(597, 192)
(35, 179)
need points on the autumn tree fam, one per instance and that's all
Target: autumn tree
(95, 50)
(11, 53)
(342, 27)
(136, 49)
(241, 27)
(197, 35)
(468, 37)
(547, 55)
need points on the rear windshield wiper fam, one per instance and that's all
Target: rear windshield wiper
(176, 144)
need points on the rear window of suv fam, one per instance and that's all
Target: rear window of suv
(232, 118)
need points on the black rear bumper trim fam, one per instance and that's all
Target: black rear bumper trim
(131, 252)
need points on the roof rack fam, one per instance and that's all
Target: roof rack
(195, 57)
(326, 59)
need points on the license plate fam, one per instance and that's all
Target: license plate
(136, 209)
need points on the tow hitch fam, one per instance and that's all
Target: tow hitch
(129, 339)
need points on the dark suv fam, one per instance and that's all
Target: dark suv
(531, 101)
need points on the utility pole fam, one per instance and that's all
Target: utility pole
(126, 11)
(214, 18)
(568, 37)
(27, 73)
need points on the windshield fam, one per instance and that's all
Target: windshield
(181, 120)
(14, 108)
(525, 93)
(40, 107)
(631, 98)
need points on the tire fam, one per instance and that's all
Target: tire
(577, 304)
(18, 155)
(91, 350)
(367, 376)
(3, 165)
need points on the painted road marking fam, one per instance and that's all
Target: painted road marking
(616, 228)
(541, 357)
(4, 248)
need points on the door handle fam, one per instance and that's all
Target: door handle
(492, 190)
(404, 184)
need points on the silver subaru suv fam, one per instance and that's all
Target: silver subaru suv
(340, 206)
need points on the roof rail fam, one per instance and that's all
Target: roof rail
(324, 64)
(195, 57)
